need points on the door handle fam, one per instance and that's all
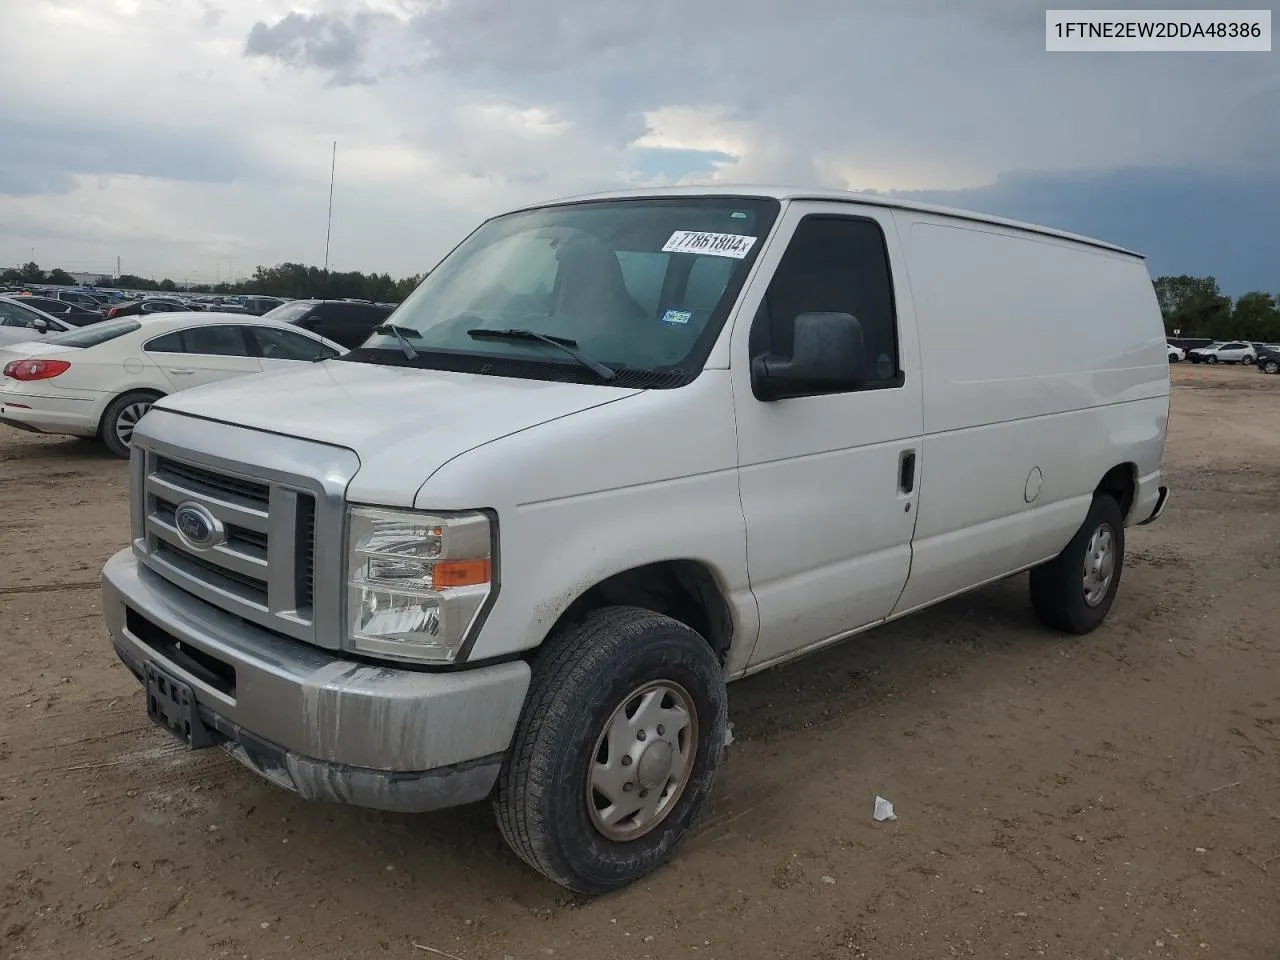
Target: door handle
(182, 373)
(906, 471)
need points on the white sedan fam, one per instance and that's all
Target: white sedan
(1176, 354)
(99, 380)
(20, 321)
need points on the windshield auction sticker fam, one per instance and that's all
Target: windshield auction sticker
(715, 244)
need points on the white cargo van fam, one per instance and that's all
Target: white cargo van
(612, 453)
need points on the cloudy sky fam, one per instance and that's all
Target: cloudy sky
(192, 137)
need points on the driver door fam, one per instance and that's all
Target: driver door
(829, 482)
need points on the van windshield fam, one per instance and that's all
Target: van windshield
(642, 286)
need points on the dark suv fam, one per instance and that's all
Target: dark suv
(348, 322)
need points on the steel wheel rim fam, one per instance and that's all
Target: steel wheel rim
(1099, 564)
(128, 419)
(650, 742)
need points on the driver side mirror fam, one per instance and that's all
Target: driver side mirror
(828, 356)
(40, 325)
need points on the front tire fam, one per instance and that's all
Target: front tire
(618, 746)
(1213, 358)
(120, 419)
(1074, 591)
(1271, 366)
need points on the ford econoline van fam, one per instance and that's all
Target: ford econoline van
(612, 454)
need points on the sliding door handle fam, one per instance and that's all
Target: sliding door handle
(906, 471)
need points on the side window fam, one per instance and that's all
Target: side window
(286, 345)
(225, 341)
(169, 343)
(13, 317)
(834, 265)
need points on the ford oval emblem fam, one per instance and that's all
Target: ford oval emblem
(198, 528)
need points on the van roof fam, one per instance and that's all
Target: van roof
(845, 196)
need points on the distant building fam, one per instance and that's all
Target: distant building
(89, 279)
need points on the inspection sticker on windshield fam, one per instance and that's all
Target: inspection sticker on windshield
(677, 316)
(715, 244)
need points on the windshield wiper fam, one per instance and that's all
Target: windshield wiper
(401, 334)
(560, 343)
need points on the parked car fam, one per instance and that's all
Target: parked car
(1176, 354)
(1269, 358)
(20, 321)
(98, 381)
(260, 306)
(614, 453)
(73, 314)
(343, 321)
(1188, 344)
(79, 298)
(132, 308)
(1232, 351)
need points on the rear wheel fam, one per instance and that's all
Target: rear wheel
(122, 417)
(1246, 360)
(1213, 358)
(1074, 591)
(617, 749)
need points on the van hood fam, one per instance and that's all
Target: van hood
(403, 423)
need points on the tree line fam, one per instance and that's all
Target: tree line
(1195, 307)
(290, 280)
(1192, 306)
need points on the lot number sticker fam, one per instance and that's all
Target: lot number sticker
(716, 244)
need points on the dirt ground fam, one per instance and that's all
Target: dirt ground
(1116, 796)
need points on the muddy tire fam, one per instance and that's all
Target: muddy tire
(1073, 592)
(618, 746)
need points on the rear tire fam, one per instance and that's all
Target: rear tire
(120, 419)
(1213, 358)
(1074, 591)
(584, 754)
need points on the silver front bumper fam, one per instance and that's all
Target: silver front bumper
(1158, 510)
(309, 720)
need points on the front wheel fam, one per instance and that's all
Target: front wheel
(616, 750)
(121, 418)
(1271, 366)
(1074, 591)
(1213, 358)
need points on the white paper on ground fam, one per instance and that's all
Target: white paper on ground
(884, 810)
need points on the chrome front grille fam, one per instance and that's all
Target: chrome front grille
(264, 566)
(280, 502)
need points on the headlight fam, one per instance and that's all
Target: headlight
(415, 581)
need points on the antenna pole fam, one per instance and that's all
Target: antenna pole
(333, 163)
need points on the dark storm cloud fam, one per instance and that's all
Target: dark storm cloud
(1185, 221)
(328, 42)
